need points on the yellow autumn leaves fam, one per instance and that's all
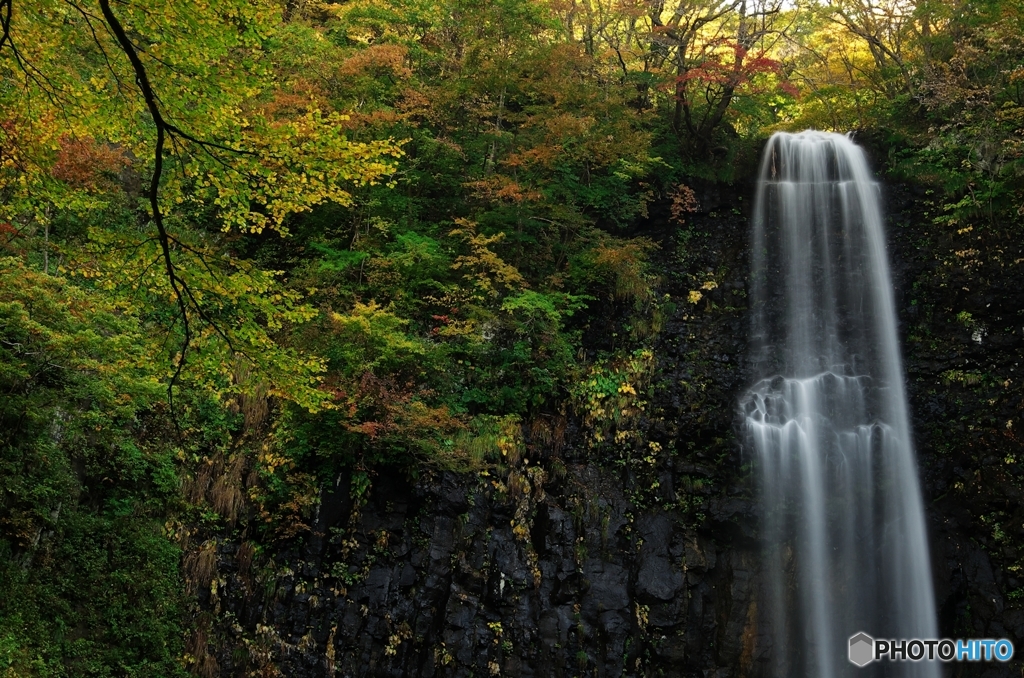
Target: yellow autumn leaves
(696, 295)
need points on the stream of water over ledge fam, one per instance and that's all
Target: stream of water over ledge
(843, 525)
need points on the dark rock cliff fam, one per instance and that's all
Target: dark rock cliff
(593, 564)
(961, 299)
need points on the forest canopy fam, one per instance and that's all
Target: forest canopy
(248, 247)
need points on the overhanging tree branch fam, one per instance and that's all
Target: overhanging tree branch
(178, 285)
(5, 21)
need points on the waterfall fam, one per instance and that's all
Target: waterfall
(843, 523)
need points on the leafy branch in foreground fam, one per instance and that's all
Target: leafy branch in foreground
(137, 78)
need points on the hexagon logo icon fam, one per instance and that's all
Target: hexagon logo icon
(862, 649)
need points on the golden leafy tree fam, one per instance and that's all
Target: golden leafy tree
(176, 108)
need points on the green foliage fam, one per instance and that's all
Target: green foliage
(100, 597)
(370, 338)
(91, 582)
(399, 233)
(611, 395)
(939, 86)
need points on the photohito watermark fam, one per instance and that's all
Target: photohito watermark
(864, 649)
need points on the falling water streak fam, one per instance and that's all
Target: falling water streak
(845, 543)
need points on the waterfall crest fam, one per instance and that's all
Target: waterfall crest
(844, 530)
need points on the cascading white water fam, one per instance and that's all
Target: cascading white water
(844, 531)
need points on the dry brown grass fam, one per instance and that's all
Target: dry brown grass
(547, 435)
(253, 400)
(243, 559)
(200, 566)
(540, 431)
(197, 646)
(218, 484)
(195, 488)
(517, 484)
(226, 495)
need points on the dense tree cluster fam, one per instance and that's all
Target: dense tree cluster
(247, 246)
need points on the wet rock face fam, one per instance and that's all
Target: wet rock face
(961, 301)
(613, 568)
(441, 585)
